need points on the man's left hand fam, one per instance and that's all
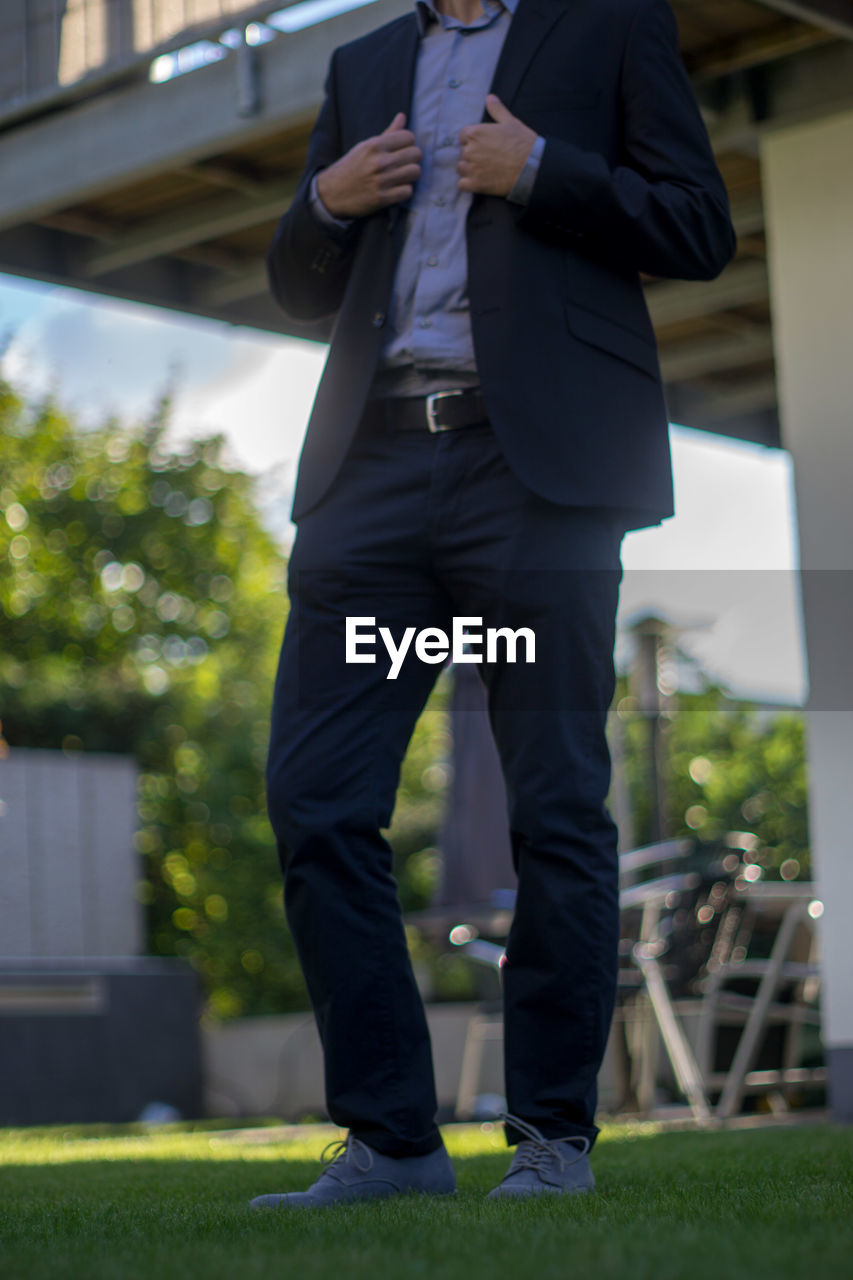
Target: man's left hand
(493, 155)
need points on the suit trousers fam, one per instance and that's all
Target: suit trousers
(418, 529)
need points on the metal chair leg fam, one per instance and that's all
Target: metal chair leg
(681, 1056)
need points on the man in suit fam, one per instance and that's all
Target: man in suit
(483, 186)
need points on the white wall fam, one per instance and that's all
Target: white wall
(274, 1066)
(808, 192)
(68, 867)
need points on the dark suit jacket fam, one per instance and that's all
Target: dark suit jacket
(565, 349)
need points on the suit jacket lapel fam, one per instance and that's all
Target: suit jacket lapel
(399, 80)
(531, 24)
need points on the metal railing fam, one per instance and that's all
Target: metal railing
(49, 46)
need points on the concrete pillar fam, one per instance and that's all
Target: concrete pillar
(808, 193)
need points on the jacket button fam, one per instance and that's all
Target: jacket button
(378, 320)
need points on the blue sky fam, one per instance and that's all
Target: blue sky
(721, 570)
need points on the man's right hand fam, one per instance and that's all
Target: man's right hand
(376, 173)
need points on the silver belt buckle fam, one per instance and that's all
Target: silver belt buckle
(431, 409)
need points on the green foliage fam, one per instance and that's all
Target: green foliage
(728, 767)
(143, 605)
(420, 798)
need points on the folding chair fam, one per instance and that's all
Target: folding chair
(643, 896)
(746, 983)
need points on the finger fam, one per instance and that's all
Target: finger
(396, 141)
(396, 194)
(399, 122)
(497, 110)
(405, 176)
(393, 159)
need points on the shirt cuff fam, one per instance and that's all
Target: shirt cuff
(520, 193)
(321, 213)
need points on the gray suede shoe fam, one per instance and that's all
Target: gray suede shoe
(540, 1165)
(357, 1172)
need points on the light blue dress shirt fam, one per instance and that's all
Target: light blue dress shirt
(428, 345)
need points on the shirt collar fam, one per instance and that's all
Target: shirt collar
(425, 10)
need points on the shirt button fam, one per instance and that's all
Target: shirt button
(448, 141)
(378, 320)
(423, 323)
(432, 261)
(440, 201)
(454, 84)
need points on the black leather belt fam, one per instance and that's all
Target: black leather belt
(441, 411)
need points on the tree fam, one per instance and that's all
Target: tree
(730, 766)
(142, 604)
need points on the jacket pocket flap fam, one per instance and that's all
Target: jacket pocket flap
(614, 338)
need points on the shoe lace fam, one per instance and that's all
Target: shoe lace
(538, 1152)
(345, 1151)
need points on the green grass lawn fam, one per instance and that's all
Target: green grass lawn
(774, 1202)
